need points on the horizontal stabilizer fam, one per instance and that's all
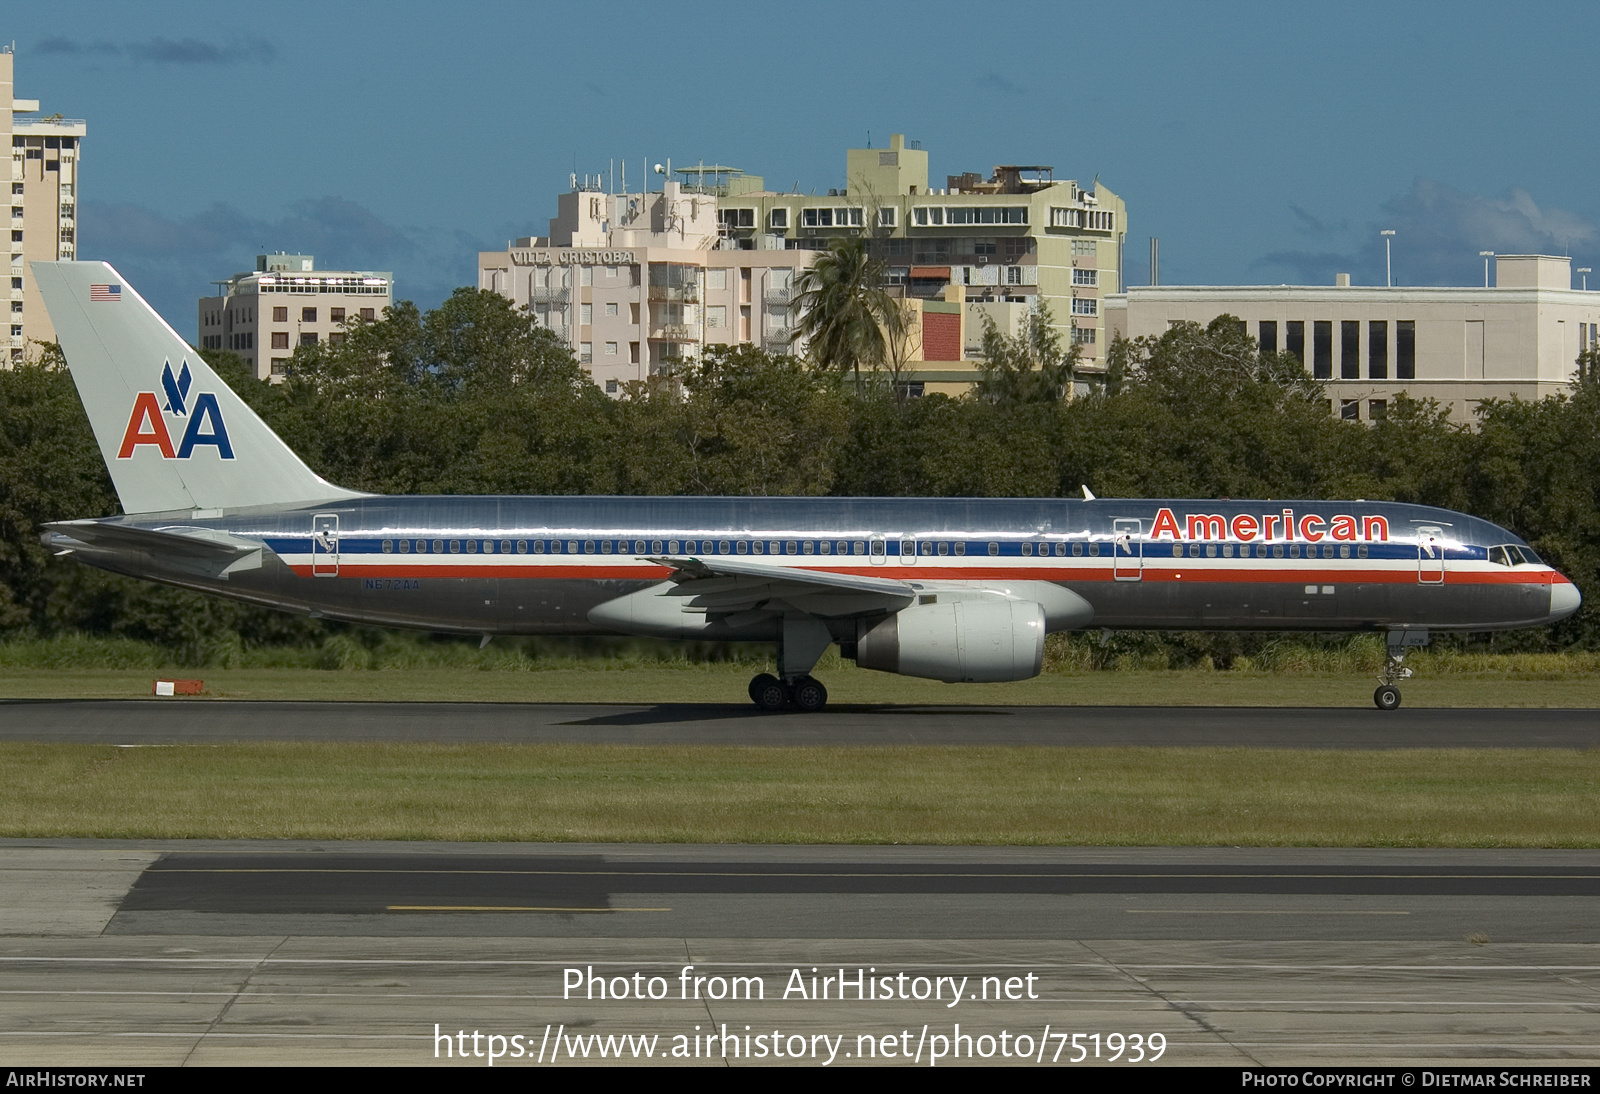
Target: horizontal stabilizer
(203, 551)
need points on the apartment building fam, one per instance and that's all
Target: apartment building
(1456, 344)
(1010, 242)
(45, 157)
(287, 302)
(637, 282)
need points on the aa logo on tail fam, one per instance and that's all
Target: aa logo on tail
(147, 424)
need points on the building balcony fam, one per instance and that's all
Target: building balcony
(540, 294)
(778, 296)
(675, 332)
(778, 341)
(675, 294)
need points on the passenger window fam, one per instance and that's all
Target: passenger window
(1077, 549)
(744, 547)
(826, 546)
(1294, 550)
(472, 546)
(961, 547)
(388, 546)
(1277, 552)
(726, 548)
(994, 548)
(1177, 550)
(1094, 550)
(861, 548)
(809, 546)
(588, 546)
(793, 548)
(1361, 552)
(1027, 549)
(455, 546)
(1227, 550)
(1344, 551)
(756, 546)
(944, 548)
(1211, 550)
(505, 546)
(1194, 550)
(405, 546)
(877, 548)
(605, 546)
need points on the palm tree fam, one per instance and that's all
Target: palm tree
(845, 314)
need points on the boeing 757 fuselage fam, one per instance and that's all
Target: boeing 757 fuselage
(949, 589)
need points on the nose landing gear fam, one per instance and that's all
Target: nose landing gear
(1387, 697)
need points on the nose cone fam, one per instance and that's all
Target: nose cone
(1564, 599)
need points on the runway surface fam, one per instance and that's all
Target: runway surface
(141, 953)
(206, 721)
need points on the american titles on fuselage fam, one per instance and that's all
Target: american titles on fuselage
(1271, 527)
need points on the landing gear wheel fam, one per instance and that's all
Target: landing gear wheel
(809, 695)
(768, 692)
(1387, 697)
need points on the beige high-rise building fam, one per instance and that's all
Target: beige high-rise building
(287, 302)
(45, 155)
(634, 282)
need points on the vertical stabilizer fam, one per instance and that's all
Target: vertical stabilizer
(172, 433)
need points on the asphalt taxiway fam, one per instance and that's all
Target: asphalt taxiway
(268, 952)
(209, 721)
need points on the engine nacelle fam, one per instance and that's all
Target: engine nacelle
(961, 641)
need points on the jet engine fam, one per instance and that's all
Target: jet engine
(961, 641)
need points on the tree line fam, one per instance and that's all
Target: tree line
(473, 397)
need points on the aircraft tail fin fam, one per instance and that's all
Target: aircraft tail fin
(173, 435)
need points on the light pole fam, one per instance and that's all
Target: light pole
(1486, 256)
(1585, 271)
(1388, 269)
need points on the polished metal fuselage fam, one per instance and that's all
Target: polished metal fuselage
(537, 565)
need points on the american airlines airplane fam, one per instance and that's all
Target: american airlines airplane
(953, 589)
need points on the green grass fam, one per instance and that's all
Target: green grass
(623, 681)
(925, 795)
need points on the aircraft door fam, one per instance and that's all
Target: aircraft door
(325, 545)
(908, 551)
(879, 550)
(1430, 556)
(1127, 557)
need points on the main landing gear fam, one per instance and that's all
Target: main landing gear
(805, 693)
(1387, 697)
(801, 644)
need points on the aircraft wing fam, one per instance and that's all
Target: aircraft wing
(202, 551)
(725, 585)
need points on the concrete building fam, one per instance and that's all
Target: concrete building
(636, 281)
(287, 302)
(45, 158)
(1458, 345)
(1009, 242)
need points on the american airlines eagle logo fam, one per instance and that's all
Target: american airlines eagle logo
(202, 421)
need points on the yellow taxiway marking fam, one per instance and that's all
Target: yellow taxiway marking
(507, 908)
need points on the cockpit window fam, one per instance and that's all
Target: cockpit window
(1512, 555)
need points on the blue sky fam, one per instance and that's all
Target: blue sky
(1263, 143)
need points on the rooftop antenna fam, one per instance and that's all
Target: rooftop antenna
(869, 138)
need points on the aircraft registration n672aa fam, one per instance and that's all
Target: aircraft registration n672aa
(948, 589)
